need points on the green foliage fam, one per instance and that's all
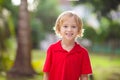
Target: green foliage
(103, 7)
(6, 31)
(103, 29)
(37, 32)
(4, 59)
(109, 30)
(7, 24)
(43, 19)
(7, 4)
(47, 12)
(114, 31)
(90, 33)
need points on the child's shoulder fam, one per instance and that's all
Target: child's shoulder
(82, 48)
(55, 44)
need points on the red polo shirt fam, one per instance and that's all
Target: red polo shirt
(64, 65)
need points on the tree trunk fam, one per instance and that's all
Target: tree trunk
(22, 65)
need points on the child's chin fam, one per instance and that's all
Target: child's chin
(70, 38)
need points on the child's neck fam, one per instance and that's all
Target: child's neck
(67, 45)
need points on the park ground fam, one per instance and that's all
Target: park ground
(105, 66)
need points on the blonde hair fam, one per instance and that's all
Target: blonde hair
(60, 20)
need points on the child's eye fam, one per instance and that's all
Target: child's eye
(73, 26)
(65, 26)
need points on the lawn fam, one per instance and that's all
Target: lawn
(105, 67)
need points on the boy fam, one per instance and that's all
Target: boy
(66, 59)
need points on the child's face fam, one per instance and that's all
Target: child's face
(69, 29)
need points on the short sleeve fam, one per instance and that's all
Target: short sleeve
(86, 64)
(47, 64)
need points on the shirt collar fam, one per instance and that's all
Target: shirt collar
(76, 48)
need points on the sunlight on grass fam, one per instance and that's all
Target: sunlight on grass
(38, 60)
(2, 77)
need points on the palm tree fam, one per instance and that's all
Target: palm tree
(22, 65)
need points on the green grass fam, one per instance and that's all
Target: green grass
(104, 66)
(2, 77)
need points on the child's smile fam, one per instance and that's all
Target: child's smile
(69, 34)
(69, 29)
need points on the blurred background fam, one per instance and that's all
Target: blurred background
(26, 31)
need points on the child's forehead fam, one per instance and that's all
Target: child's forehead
(66, 17)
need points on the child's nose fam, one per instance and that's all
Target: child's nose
(69, 28)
